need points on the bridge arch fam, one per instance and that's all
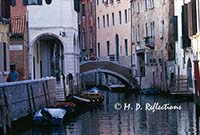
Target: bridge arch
(121, 72)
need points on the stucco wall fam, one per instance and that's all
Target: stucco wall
(108, 33)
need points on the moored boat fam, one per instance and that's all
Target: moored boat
(50, 116)
(117, 88)
(92, 97)
(150, 91)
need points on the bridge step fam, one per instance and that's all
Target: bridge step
(60, 95)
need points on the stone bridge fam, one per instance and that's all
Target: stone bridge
(123, 73)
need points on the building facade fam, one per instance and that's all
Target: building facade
(187, 43)
(4, 40)
(19, 38)
(87, 24)
(53, 38)
(152, 40)
(113, 23)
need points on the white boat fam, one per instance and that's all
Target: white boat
(49, 116)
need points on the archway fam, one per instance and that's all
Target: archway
(48, 57)
(189, 73)
(117, 47)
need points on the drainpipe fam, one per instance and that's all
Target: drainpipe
(196, 76)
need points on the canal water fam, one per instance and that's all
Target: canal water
(119, 115)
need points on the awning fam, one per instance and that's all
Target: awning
(18, 25)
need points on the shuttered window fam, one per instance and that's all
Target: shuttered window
(12, 2)
(77, 5)
(5, 56)
(194, 17)
(185, 37)
(175, 21)
(32, 2)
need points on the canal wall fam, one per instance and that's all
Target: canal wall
(19, 99)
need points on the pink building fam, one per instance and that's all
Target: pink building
(114, 30)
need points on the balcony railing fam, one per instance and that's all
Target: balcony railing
(149, 42)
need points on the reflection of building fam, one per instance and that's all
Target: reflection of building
(19, 38)
(4, 39)
(113, 30)
(88, 28)
(53, 38)
(152, 41)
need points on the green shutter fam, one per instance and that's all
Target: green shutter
(77, 5)
(25, 2)
(39, 2)
(175, 21)
(12, 2)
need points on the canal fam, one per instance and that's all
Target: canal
(119, 115)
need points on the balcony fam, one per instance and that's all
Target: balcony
(149, 42)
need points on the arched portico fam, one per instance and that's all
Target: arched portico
(47, 56)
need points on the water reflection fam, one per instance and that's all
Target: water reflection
(107, 121)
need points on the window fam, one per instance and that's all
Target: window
(83, 9)
(111, 1)
(91, 9)
(108, 48)
(133, 60)
(138, 7)
(163, 2)
(126, 47)
(83, 39)
(126, 18)
(147, 58)
(155, 57)
(132, 34)
(107, 16)
(146, 29)
(77, 5)
(97, 2)
(145, 5)
(152, 29)
(161, 56)
(98, 22)
(5, 56)
(132, 8)
(113, 19)
(138, 33)
(120, 17)
(104, 21)
(32, 2)
(163, 29)
(91, 38)
(12, 2)
(4, 9)
(105, 2)
(175, 25)
(151, 4)
(98, 47)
